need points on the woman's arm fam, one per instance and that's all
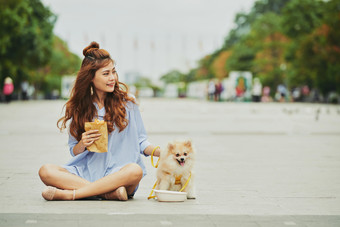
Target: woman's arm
(79, 148)
(148, 150)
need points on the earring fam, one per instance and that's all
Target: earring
(91, 90)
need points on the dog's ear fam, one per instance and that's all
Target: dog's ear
(188, 143)
(170, 146)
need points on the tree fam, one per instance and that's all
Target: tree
(25, 37)
(315, 52)
(173, 76)
(143, 82)
(219, 64)
(204, 70)
(243, 55)
(62, 62)
(270, 45)
(244, 21)
(319, 52)
(301, 17)
(295, 42)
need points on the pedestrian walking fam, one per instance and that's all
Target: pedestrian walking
(115, 174)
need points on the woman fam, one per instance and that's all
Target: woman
(116, 174)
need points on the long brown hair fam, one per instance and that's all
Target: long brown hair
(80, 107)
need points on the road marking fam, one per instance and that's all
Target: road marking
(31, 221)
(120, 213)
(289, 223)
(166, 223)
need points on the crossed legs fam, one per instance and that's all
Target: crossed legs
(52, 175)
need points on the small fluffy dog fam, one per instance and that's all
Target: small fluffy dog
(175, 166)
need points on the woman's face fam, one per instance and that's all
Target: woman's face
(105, 79)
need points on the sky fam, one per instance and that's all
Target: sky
(148, 37)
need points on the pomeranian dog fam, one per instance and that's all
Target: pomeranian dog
(175, 166)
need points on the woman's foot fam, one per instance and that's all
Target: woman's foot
(53, 193)
(118, 194)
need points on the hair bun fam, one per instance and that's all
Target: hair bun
(93, 45)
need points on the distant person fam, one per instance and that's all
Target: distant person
(316, 95)
(8, 89)
(256, 90)
(305, 93)
(218, 90)
(211, 90)
(266, 95)
(296, 94)
(281, 93)
(115, 174)
(24, 90)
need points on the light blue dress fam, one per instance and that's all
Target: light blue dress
(123, 148)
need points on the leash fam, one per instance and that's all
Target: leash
(153, 151)
(178, 178)
(154, 186)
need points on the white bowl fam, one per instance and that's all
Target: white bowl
(170, 196)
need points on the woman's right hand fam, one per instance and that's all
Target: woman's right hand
(89, 137)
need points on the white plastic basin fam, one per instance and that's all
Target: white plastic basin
(170, 196)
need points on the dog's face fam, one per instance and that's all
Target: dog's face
(181, 152)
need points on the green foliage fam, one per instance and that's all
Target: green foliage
(270, 44)
(25, 37)
(176, 76)
(144, 82)
(256, 33)
(264, 6)
(301, 17)
(62, 62)
(315, 52)
(244, 21)
(294, 42)
(28, 48)
(205, 69)
(173, 76)
(242, 57)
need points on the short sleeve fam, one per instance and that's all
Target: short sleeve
(142, 136)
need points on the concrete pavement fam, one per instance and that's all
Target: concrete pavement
(257, 165)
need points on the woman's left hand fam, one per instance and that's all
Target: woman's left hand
(149, 150)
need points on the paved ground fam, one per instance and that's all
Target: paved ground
(257, 165)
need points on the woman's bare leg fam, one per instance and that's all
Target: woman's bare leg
(53, 175)
(129, 176)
